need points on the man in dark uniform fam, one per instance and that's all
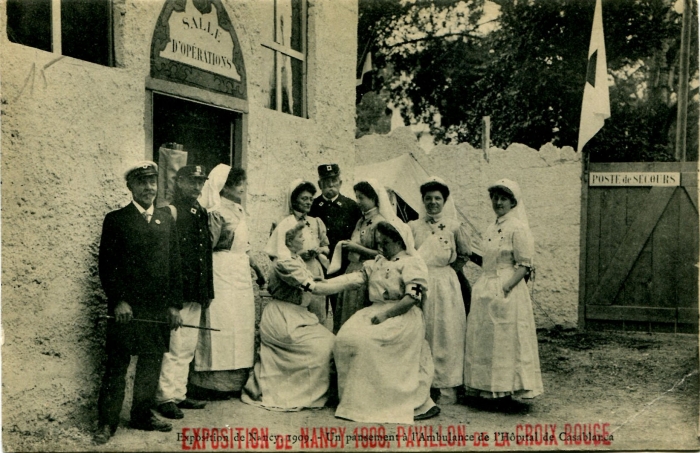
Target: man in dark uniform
(197, 287)
(139, 265)
(338, 212)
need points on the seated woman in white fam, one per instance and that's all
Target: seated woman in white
(374, 203)
(384, 364)
(295, 350)
(315, 251)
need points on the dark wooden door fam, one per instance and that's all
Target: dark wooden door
(639, 252)
(207, 133)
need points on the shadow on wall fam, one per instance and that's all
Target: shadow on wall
(61, 364)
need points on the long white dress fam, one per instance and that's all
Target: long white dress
(501, 353)
(352, 300)
(295, 351)
(439, 242)
(385, 370)
(233, 308)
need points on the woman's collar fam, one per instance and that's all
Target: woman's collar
(504, 217)
(298, 215)
(234, 206)
(371, 213)
(401, 254)
(228, 201)
(433, 218)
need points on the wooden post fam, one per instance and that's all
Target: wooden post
(486, 136)
(56, 45)
(682, 103)
(583, 231)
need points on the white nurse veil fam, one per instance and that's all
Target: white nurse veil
(384, 206)
(276, 247)
(406, 234)
(386, 209)
(518, 211)
(449, 209)
(210, 198)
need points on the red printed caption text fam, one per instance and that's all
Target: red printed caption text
(392, 436)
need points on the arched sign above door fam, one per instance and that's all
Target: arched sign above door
(194, 43)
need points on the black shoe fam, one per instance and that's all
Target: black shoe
(103, 434)
(152, 424)
(170, 410)
(191, 404)
(432, 412)
(512, 406)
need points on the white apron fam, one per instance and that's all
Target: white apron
(232, 310)
(443, 311)
(502, 355)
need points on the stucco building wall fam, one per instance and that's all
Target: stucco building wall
(550, 180)
(69, 129)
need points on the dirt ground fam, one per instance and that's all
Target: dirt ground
(642, 389)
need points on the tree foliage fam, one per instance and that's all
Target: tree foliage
(373, 116)
(528, 72)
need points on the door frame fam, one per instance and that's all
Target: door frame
(193, 94)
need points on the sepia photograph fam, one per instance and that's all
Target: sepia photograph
(349, 225)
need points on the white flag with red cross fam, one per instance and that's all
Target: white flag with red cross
(596, 100)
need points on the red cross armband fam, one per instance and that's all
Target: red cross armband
(308, 286)
(415, 291)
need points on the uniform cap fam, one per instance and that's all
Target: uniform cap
(192, 171)
(328, 171)
(141, 169)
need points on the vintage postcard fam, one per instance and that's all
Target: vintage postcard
(349, 225)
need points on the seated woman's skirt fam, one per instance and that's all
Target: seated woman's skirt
(384, 370)
(295, 355)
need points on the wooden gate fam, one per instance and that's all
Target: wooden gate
(639, 247)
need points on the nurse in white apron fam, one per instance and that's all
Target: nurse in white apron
(444, 245)
(223, 359)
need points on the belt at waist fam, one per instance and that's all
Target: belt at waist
(500, 271)
(434, 266)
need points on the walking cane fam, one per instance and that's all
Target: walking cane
(162, 322)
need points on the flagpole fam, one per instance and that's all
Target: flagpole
(682, 103)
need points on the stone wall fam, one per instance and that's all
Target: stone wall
(551, 183)
(69, 129)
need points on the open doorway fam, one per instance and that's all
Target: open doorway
(207, 133)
